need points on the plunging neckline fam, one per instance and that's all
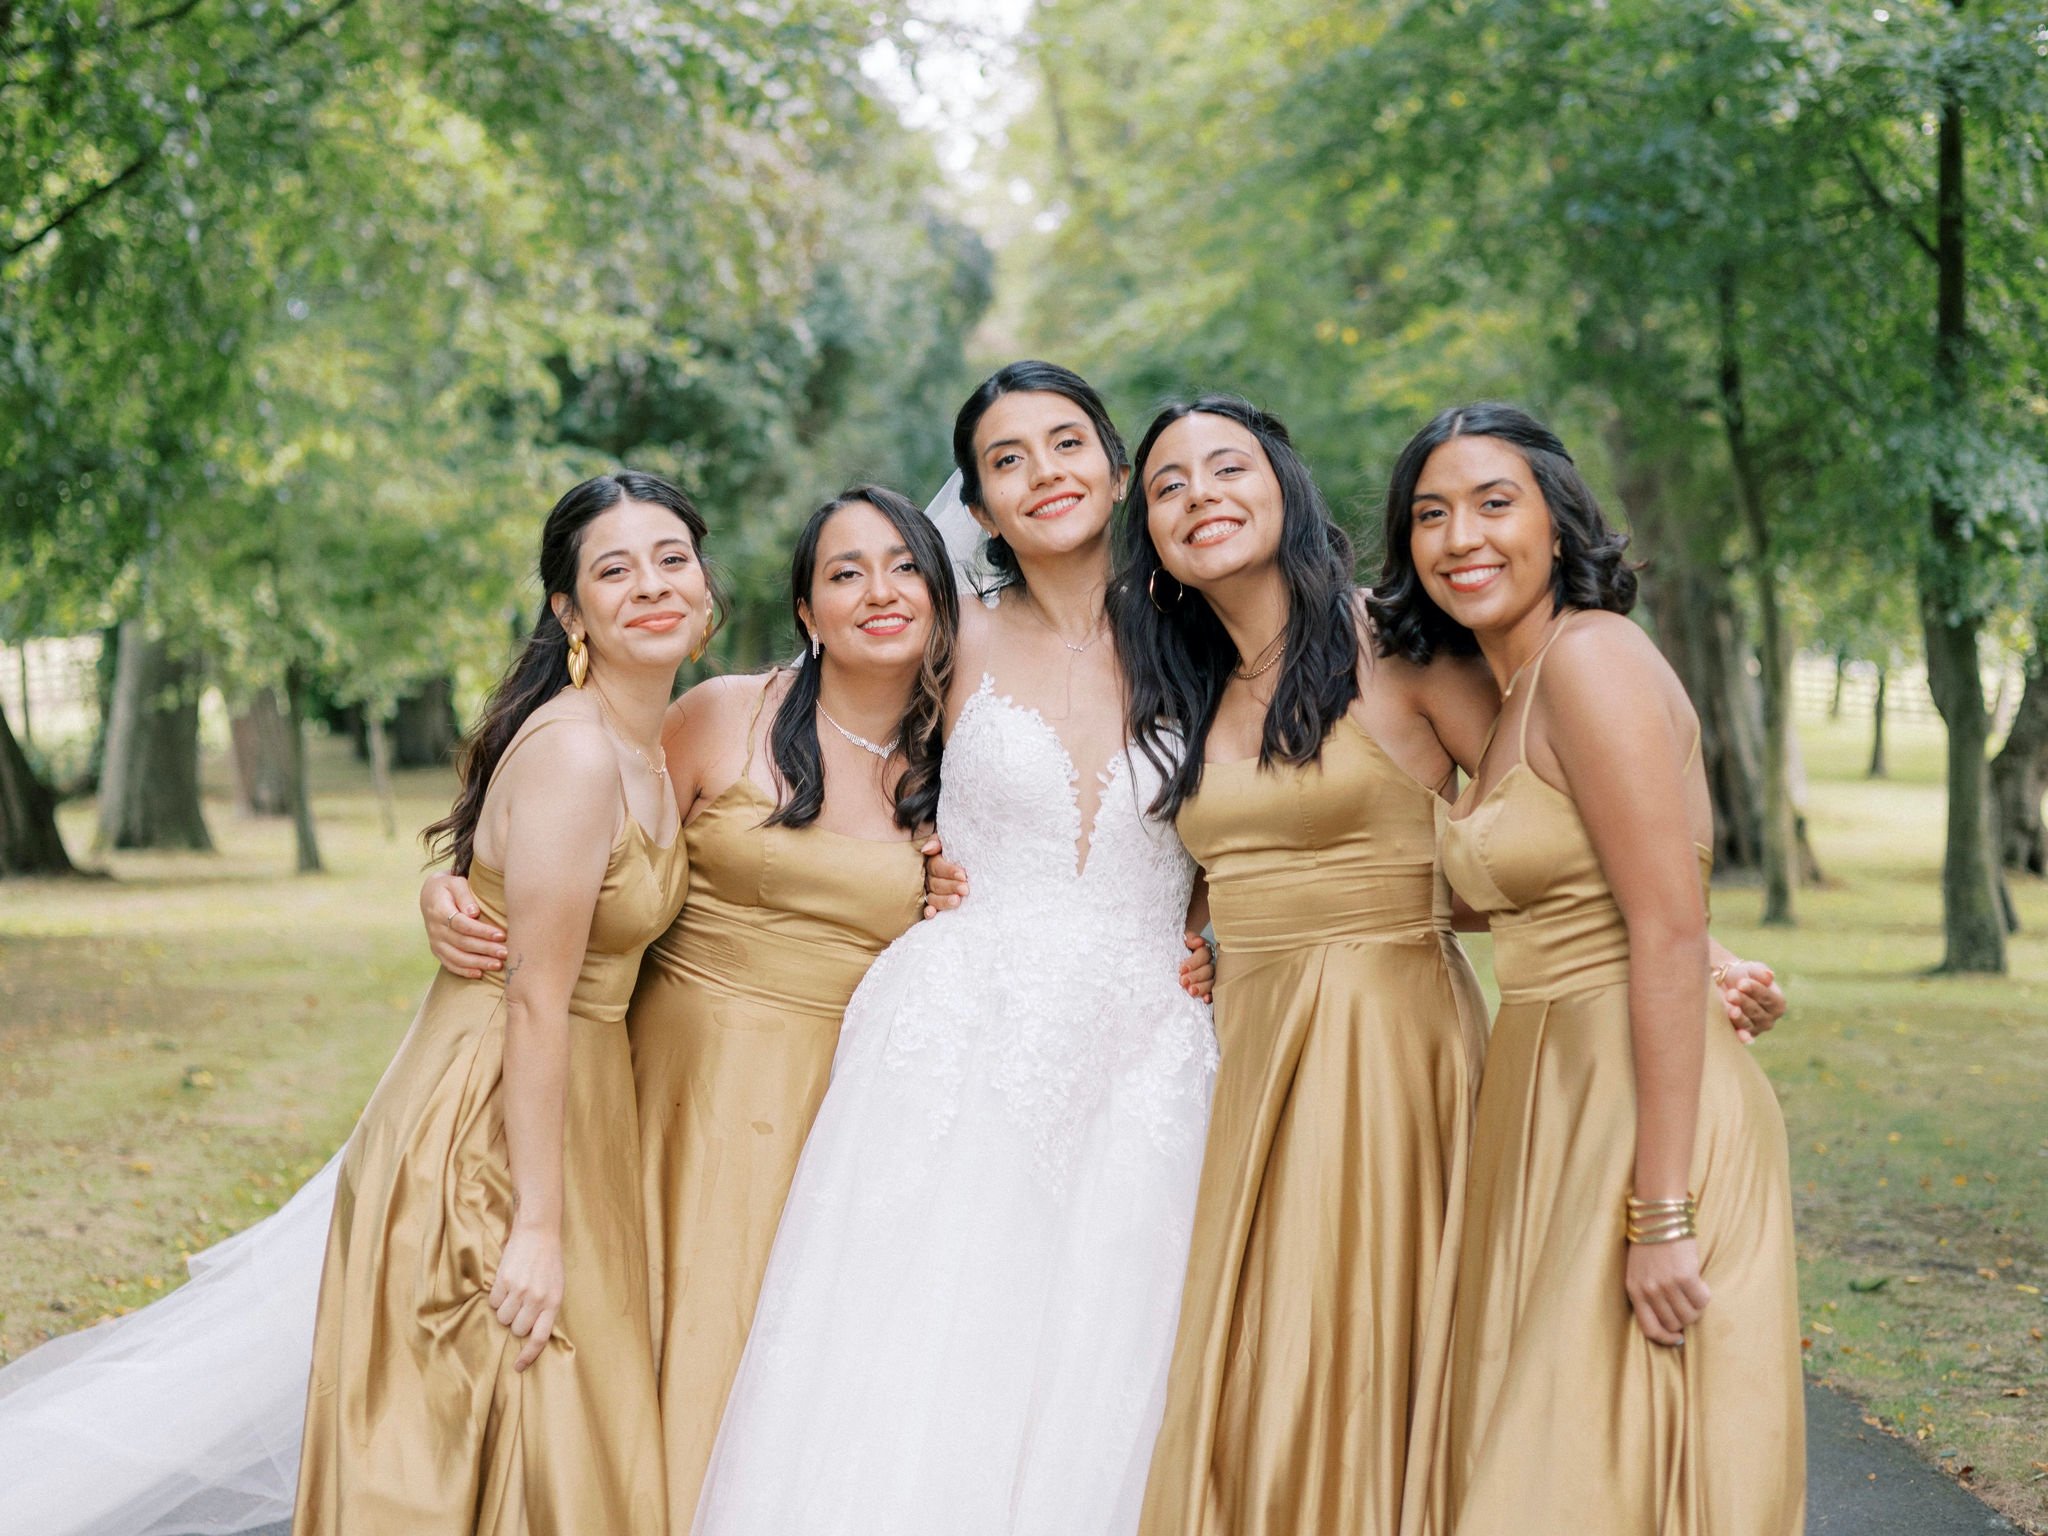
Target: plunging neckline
(1105, 777)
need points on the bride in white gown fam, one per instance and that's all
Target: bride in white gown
(967, 1318)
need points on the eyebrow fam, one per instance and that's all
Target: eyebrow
(1476, 490)
(620, 554)
(1018, 442)
(855, 554)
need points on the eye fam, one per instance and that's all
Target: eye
(610, 571)
(1168, 487)
(1069, 441)
(842, 573)
(1231, 469)
(1492, 502)
(1006, 460)
(906, 567)
(1427, 514)
(675, 558)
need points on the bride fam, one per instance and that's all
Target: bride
(968, 1314)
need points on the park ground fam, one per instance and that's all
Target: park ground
(182, 1044)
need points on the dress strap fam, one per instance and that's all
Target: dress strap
(1535, 666)
(527, 731)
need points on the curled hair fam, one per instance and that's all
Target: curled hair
(1590, 571)
(541, 669)
(1026, 377)
(1176, 654)
(793, 736)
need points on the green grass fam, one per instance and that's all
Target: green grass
(179, 1046)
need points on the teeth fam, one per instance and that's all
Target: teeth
(1467, 581)
(1052, 508)
(1210, 533)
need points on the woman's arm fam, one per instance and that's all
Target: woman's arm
(1608, 710)
(561, 812)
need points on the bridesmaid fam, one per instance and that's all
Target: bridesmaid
(806, 787)
(488, 1204)
(1626, 1353)
(1313, 1330)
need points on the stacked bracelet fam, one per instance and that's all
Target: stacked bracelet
(1662, 1221)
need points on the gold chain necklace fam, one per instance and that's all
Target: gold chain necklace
(1277, 645)
(659, 770)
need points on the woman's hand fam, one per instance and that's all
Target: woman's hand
(1198, 971)
(456, 931)
(945, 883)
(1752, 996)
(526, 1293)
(1666, 1289)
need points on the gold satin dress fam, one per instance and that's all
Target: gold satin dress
(416, 1422)
(1564, 1419)
(734, 1028)
(1315, 1326)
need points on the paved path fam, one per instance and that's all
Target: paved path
(1859, 1482)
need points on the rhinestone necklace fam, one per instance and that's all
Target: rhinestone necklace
(862, 742)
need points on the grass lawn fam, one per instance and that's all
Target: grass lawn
(180, 1046)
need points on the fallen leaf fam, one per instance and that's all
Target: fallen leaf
(1865, 1285)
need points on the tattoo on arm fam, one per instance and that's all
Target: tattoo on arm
(512, 968)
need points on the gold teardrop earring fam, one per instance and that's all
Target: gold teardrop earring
(579, 661)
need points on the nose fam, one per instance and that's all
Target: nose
(1043, 466)
(1201, 489)
(1462, 531)
(654, 582)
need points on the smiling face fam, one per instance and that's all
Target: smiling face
(1212, 502)
(1482, 538)
(868, 604)
(1047, 487)
(642, 597)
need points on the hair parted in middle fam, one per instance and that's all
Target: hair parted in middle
(1176, 654)
(793, 735)
(1591, 569)
(1028, 376)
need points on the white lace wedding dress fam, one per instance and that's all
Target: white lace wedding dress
(967, 1318)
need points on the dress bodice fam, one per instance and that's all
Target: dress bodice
(1316, 852)
(786, 914)
(644, 886)
(1009, 814)
(1521, 855)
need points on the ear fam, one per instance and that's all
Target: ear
(564, 607)
(803, 614)
(986, 523)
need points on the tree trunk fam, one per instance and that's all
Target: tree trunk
(263, 757)
(302, 788)
(424, 730)
(380, 770)
(149, 785)
(1835, 698)
(1774, 649)
(1696, 620)
(2017, 772)
(1877, 766)
(29, 841)
(1973, 927)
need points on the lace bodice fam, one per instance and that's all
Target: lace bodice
(1060, 981)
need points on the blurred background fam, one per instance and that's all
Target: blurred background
(308, 311)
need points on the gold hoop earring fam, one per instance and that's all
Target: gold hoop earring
(1152, 589)
(579, 661)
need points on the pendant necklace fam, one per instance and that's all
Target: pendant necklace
(659, 770)
(876, 747)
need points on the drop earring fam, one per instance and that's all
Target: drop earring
(817, 645)
(579, 661)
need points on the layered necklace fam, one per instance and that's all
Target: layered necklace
(1270, 656)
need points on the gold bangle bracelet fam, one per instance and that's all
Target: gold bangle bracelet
(1661, 1221)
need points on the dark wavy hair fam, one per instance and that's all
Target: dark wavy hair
(1026, 377)
(1178, 657)
(541, 669)
(793, 737)
(1591, 571)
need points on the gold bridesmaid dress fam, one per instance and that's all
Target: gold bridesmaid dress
(1314, 1330)
(733, 1029)
(1563, 1419)
(416, 1422)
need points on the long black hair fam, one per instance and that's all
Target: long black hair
(793, 737)
(1178, 657)
(1026, 377)
(1591, 571)
(541, 669)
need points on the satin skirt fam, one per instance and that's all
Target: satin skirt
(416, 1422)
(1315, 1326)
(729, 1085)
(1564, 1420)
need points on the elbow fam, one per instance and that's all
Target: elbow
(1669, 940)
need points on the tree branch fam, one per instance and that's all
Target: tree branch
(1885, 205)
(235, 83)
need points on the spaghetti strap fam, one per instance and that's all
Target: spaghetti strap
(527, 731)
(1535, 665)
